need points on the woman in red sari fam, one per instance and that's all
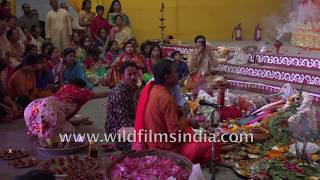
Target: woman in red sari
(47, 117)
(113, 75)
(155, 55)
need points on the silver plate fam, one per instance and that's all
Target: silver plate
(66, 151)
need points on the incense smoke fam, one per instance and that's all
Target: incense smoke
(301, 13)
(294, 13)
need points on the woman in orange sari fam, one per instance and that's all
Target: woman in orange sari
(155, 55)
(22, 84)
(113, 75)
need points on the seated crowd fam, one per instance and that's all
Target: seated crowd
(53, 71)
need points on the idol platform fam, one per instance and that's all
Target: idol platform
(267, 72)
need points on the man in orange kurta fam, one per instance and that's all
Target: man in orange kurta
(157, 112)
(162, 117)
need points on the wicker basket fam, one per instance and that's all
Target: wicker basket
(179, 159)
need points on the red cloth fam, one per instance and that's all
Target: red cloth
(148, 65)
(10, 71)
(197, 152)
(50, 65)
(96, 24)
(166, 52)
(200, 152)
(74, 94)
(108, 58)
(5, 12)
(89, 63)
(139, 120)
(229, 112)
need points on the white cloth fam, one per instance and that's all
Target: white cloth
(311, 148)
(37, 42)
(58, 28)
(197, 173)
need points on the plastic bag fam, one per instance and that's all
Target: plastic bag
(197, 173)
(311, 148)
(287, 91)
(204, 95)
(171, 178)
(239, 57)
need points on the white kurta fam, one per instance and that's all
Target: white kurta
(58, 28)
(37, 42)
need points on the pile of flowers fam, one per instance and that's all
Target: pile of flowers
(149, 167)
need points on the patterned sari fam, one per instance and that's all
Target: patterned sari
(113, 74)
(95, 71)
(87, 17)
(110, 56)
(81, 55)
(49, 116)
(148, 64)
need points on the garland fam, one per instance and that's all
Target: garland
(290, 168)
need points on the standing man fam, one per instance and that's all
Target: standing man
(58, 27)
(65, 6)
(27, 20)
(122, 100)
(201, 59)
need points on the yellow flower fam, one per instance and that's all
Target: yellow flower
(315, 157)
(232, 121)
(235, 128)
(313, 178)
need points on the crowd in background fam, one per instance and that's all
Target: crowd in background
(38, 57)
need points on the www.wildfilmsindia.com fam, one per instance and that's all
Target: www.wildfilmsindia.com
(148, 136)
